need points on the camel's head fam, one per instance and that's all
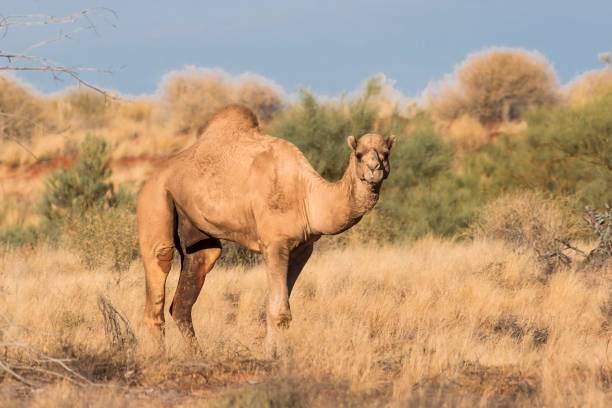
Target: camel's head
(371, 157)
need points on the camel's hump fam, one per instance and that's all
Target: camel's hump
(233, 116)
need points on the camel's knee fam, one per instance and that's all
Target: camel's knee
(165, 256)
(280, 320)
(283, 321)
(154, 321)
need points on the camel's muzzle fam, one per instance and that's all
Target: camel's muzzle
(374, 176)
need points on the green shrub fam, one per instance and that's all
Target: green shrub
(423, 193)
(446, 206)
(19, 235)
(81, 204)
(84, 186)
(566, 152)
(320, 129)
(420, 157)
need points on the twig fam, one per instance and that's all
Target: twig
(43, 358)
(35, 357)
(14, 374)
(45, 64)
(567, 244)
(119, 338)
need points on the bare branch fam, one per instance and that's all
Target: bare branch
(38, 63)
(569, 246)
(25, 61)
(34, 359)
(46, 19)
(8, 369)
(61, 36)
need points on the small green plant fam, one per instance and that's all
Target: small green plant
(82, 187)
(104, 237)
(19, 235)
(81, 204)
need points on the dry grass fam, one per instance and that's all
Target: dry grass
(532, 224)
(19, 195)
(432, 323)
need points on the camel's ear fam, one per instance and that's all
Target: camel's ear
(390, 141)
(352, 142)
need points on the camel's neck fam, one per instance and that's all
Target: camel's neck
(335, 207)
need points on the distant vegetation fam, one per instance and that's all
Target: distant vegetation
(496, 85)
(502, 125)
(192, 96)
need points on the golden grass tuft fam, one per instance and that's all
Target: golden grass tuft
(526, 220)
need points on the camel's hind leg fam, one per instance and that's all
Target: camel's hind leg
(156, 226)
(197, 259)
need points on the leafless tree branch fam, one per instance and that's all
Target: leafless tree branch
(32, 360)
(26, 61)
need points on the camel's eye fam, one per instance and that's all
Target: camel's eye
(358, 156)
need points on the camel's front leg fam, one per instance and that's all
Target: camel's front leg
(278, 314)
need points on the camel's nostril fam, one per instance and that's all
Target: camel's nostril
(373, 166)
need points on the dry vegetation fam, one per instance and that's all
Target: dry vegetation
(496, 85)
(431, 323)
(589, 86)
(136, 127)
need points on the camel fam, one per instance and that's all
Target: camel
(237, 183)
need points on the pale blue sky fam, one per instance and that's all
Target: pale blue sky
(326, 46)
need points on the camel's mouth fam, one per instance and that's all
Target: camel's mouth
(373, 176)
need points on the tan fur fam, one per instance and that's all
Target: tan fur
(239, 184)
